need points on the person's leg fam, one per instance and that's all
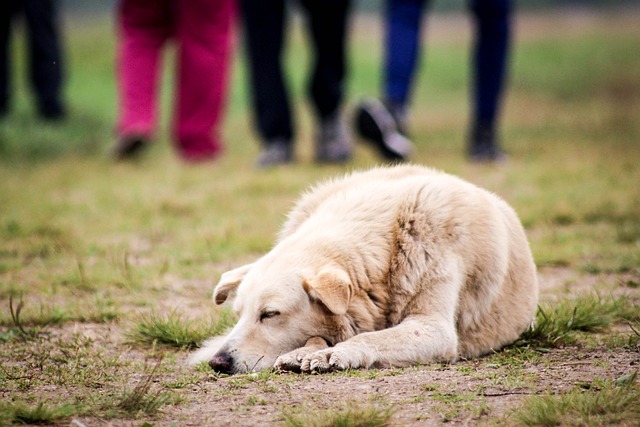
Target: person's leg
(383, 124)
(204, 37)
(403, 27)
(492, 35)
(328, 28)
(8, 9)
(264, 27)
(46, 58)
(143, 28)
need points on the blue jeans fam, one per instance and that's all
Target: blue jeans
(491, 34)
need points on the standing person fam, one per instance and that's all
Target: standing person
(382, 122)
(46, 73)
(265, 23)
(202, 30)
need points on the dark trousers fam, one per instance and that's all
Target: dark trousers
(45, 56)
(491, 20)
(265, 29)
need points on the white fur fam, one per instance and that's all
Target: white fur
(207, 350)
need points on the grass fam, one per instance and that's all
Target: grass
(27, 321)
(352, 415)
(558, 325)
(173, 330)
(142, 398)
(42, 413)
(603, 403)
(450, 406)
(105, 266)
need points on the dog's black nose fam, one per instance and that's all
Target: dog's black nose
(222, 363)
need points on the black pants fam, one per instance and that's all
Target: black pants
(45, 56)
(265, 25)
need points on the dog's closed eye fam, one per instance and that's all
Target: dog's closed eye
(268, 314)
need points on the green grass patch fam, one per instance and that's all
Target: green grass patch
(351, 415)
(558, 324)
(603, 403)
(41, 413)
(174, 330)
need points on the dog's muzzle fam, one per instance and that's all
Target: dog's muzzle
(222, 363)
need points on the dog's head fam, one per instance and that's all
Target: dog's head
(279, 307)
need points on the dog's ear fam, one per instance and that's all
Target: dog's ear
(228, 282)
(332, 287)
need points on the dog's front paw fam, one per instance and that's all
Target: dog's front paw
(292, 361)
(336, 358)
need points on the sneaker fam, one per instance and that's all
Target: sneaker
(375, 124)
(333, 144)
(130, 147)
(275, 153)
(483, 147)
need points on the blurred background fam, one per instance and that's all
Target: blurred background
(570, 125)
(543, 63)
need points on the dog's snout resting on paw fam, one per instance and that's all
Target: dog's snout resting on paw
(389, 267)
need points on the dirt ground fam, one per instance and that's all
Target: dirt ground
(483, 391)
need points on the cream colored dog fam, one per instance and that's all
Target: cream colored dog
(390, 267)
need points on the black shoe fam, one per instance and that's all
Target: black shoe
(275, 153)
(375, 123)
(333, 144)
(129, 148)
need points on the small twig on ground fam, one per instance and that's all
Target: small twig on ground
(507, 393)
(15, 315)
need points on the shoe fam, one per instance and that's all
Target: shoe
(375, 124)
(486, 154)
(130, 147)
(275, 153)
(483, 147)
(333, 144)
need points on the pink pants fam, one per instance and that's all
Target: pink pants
(202, 30)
